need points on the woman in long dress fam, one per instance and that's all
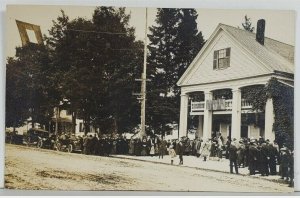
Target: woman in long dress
(152, 148)
(205, 149)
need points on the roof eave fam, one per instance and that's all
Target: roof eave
(207, 43)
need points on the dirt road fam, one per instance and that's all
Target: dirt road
(31, 168)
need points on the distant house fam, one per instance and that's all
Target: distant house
(64, 120)
(233, 59)
(172, 133)
(65, 123)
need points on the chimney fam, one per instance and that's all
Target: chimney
(260, 31)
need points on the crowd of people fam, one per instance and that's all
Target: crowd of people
(258, 155)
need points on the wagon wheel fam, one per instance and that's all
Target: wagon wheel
(70, 148)
(40, 144)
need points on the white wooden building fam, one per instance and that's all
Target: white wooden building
(233, 58)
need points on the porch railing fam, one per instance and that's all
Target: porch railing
(200, 106)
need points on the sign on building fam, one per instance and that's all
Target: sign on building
(218, 104)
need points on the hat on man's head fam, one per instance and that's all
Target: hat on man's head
(283, 149)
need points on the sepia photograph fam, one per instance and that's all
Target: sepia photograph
(106, 98)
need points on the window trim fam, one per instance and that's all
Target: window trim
(216, 58)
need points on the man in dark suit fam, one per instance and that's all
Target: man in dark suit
(180, 149)
(263, 162)
(252, 157)
(273, 154)
(233, 158)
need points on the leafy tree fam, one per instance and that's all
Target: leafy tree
(30, 88)
(67, 58)
(283, 104)
(174, 42)
(247, 25)
(122, 64)
(17, 94)
(97, 61)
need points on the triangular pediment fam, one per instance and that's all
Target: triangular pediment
(243, 63)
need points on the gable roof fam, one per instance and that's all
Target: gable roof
(275, 55)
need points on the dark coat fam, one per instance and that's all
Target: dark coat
(162, 146)
(180, 148)
(264, 154)
(272, 151)
(253, 152)
(233, 152)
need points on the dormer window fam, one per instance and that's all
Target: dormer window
(221, 58)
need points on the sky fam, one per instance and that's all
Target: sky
(280, 25)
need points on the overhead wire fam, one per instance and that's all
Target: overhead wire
(97, 32)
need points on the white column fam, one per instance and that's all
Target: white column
(207, 123)
(184, 99)
(200, 127)
(236, 114)
(269, 120)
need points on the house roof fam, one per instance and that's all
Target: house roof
(274, 55)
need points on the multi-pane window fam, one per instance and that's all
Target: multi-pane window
(221, 58)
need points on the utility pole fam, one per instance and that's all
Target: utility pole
(142, 95)
(143, 86)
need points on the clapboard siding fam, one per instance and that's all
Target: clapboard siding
(241, 64)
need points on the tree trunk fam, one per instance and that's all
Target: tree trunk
(115, 126)
(74, 115)
(56, 120)
(14, 125)
(86, 123)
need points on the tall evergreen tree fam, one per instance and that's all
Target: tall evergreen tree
(247, 25)
(174, 42)
(160, 61)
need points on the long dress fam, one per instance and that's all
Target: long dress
(205, 151)
(152, 150)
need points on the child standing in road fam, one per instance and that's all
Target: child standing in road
(172, 153)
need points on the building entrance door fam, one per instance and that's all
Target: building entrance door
(229, 131)
(244, 131)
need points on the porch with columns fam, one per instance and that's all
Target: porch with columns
(206, 116)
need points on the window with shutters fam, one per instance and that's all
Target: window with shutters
(221, 58)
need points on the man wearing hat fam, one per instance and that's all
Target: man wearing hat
(284, 162)
(273, 153)
(263, 162)
(180, 149)
(252, 157)
(233, 158)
